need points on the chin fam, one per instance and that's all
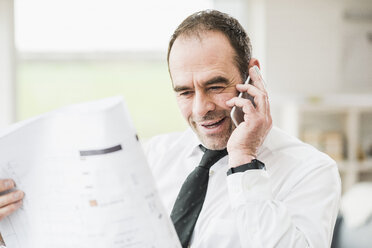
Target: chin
(214, 143)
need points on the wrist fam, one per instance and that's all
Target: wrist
(237, 159)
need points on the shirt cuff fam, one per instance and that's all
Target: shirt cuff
(249, 187)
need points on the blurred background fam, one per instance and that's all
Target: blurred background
(316, 57)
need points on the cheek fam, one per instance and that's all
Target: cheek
(222, 98)
(185, 107)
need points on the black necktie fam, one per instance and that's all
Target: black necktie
(190, 199)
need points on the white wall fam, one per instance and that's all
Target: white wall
(306, 47)
(7, 75)
(303, 45)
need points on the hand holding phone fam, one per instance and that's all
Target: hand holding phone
(245, 140)
(237, 114)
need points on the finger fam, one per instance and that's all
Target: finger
(260, 97)
(11, 198)
(257, 78)
(268, 113)
(7, 210)
(268, 107)
(243, 103)
(6, 184)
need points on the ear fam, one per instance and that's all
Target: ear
(254, 62)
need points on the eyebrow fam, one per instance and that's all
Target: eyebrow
(215, 80)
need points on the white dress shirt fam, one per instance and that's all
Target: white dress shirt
(294, 203)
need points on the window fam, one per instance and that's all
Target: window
(72, 51)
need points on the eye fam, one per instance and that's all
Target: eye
(217, 88)
(185, 93)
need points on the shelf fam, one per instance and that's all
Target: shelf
(325, 102)
(339, 125)
(366, 166)
(356, 166)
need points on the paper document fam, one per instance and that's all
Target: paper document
(86, 182)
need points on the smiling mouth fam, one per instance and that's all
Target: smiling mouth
(214, 124)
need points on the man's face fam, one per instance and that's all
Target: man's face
(204, 77)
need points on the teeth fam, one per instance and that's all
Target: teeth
(213, 125)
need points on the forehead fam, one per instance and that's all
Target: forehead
(200, 55)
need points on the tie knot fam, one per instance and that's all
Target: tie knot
(210, 157)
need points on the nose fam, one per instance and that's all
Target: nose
(202, 104)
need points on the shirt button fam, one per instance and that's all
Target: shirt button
(211, 173)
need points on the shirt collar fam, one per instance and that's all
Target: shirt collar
(194, 143)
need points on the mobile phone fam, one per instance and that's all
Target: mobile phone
(237, 114)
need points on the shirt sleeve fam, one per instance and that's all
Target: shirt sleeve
(304, 217)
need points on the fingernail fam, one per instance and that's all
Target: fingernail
(259, 74)
(18, 195)
(257, 70)
(8, 184)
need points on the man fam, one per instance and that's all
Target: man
(292, 201)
